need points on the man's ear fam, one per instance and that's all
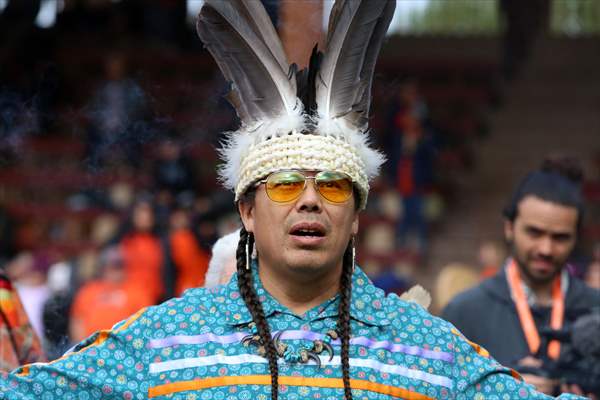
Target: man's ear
(246, 210)
(509, 230)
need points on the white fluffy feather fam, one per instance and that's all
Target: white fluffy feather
(236, 144)
(417, 294)
(223, 253)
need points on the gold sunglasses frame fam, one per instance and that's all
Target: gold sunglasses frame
(314, 179)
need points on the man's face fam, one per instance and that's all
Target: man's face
(543, 235)
(306, 236)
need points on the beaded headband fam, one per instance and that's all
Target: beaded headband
(314, 119)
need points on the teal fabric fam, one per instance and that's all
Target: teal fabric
(394, 344)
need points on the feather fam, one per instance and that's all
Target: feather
(263, 26)
(223, 257)
(246, 48)
(306, 81)
(356, 32)
(417, 294)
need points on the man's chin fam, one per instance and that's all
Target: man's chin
(306, 260)
(541, 277)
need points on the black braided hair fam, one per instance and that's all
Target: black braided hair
(343, 322)
(255, 307)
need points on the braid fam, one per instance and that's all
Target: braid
(343, 322)
(255, 307)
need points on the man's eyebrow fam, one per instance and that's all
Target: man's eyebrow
(555, 234)
(534, 229)
(562, 235)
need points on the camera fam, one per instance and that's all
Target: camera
(579, 362)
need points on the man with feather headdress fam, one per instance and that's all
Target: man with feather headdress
(299, 319)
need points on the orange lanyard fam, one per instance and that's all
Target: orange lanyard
(529, 329)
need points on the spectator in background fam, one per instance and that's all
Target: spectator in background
(533, 290)
(453, 279)
(61, 281)
(173, 173)
(7, 229)
(142, 250)
(592, 273)
(28, 274)
(412, 157)
(208, 210)
(17, 122)
(186, 261)
(491, 257)
(116, 116)
(19, 344)
(101, 303)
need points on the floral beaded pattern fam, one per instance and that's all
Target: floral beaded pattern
(192, 348)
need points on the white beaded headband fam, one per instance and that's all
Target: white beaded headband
(315, 119)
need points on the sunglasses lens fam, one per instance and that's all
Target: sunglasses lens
(284, 186)
(334, 186)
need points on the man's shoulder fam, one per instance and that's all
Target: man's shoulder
(200, 300)
(400, 312)
(582, 295)
(174, 315)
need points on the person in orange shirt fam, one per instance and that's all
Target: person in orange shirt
(142, 251)
(187, 262)
(111, 297)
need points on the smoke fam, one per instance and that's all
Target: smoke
(18, 120)
(121, 122)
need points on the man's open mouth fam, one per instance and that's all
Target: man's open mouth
(308, 230)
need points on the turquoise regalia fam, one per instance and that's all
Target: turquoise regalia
(192, 348)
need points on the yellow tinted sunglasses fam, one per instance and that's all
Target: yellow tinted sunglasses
(285, 186)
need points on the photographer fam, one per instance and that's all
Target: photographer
(533, 291)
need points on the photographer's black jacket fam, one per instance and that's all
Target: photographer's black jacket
(487, 315)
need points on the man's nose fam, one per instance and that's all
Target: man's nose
(545, 246)
(310, 199)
